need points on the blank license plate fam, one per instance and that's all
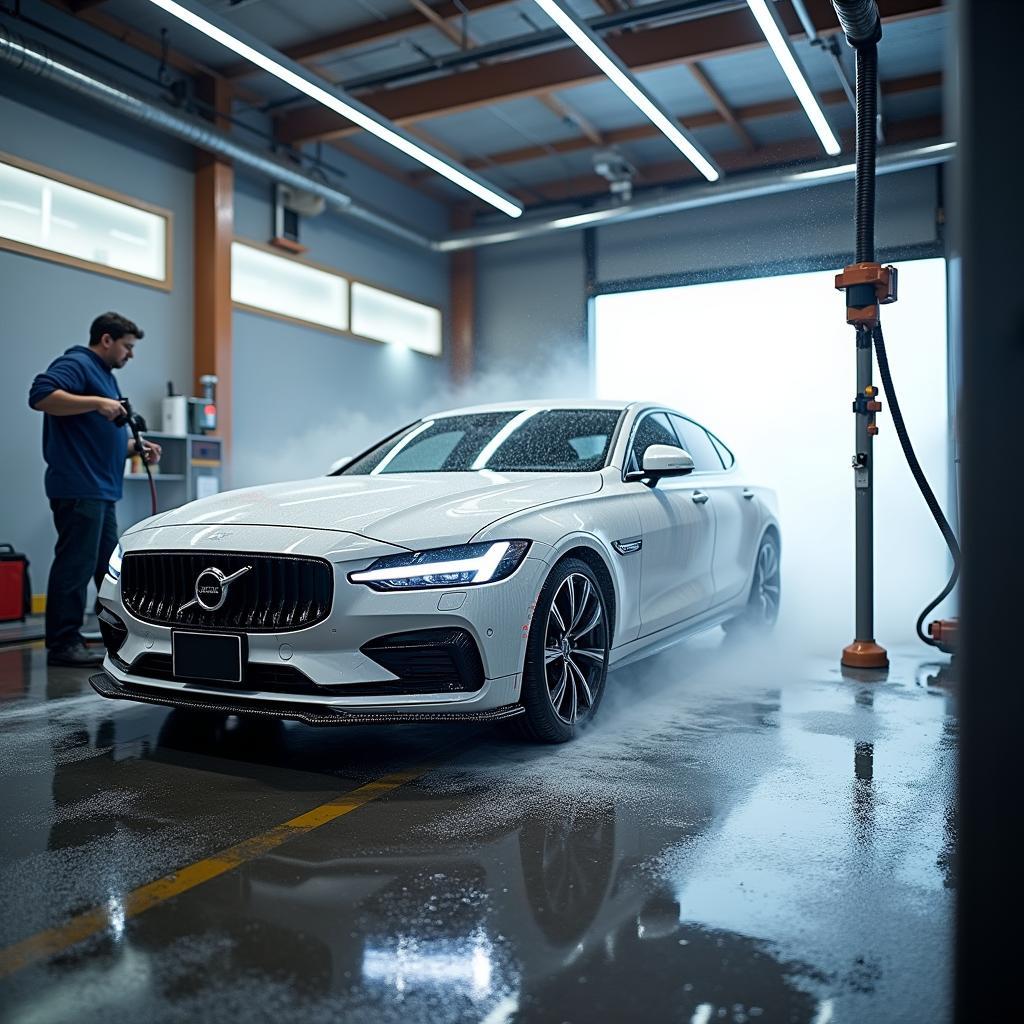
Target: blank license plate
(215, 657)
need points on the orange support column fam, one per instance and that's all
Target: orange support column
(213, 233)
(463, 302)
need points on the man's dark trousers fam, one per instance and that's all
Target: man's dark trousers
(86, 537)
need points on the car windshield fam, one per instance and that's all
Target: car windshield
(511, 441)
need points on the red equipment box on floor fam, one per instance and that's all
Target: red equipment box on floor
(15, 589)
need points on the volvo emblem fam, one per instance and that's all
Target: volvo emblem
(212, 589)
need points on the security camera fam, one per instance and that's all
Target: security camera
(611, 165)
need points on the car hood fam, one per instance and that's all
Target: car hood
(411, 510)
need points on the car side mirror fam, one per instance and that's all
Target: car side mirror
(662, 460)
(339, 464)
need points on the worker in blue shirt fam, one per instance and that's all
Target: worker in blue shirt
(85, 452)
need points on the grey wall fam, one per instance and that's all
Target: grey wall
(304, 397)
(530, 302)
(530, 294)
(48, 307)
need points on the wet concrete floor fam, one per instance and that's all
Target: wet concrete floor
(742, 836)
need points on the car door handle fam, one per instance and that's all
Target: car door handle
(699, 497)
(747, 493)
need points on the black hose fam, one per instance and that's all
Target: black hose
(859, 20)
(922, 482)
(867, 109)
(152, 485)
(140, 449)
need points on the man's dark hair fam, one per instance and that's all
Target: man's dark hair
(115, 325)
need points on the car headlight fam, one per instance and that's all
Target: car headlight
(462, 566)
(114, 565)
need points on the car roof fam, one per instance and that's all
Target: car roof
(537, 403)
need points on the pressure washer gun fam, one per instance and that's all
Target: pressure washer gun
(136, 424)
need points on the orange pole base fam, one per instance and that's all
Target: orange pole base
(865, 654)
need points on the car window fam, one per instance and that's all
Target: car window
(694, 438)
(559, 440)
(590, 446)
(725, 453)
(426, 451)
(512, 441)
(654, 428)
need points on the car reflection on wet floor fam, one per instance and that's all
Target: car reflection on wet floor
(740, 837)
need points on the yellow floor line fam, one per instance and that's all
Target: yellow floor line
(85, 925)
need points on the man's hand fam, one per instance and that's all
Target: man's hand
(152, 450)
(108, 408)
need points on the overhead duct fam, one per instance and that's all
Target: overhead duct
(746, 186)
(17, 53)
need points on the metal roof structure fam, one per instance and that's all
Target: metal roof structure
(497, 86)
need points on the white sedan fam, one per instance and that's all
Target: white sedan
(481, 564)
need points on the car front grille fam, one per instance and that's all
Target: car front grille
(275, 594)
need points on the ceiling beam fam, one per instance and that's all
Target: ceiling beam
(680, 171)
(729, 32)
(123, 33)
(725, 111)
(440, 23)
(564, 112)
(549, 100)
(752, 112)
(368, 32)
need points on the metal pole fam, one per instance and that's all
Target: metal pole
(864, 500)
(864, 653)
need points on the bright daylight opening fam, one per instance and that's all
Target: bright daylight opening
(768, 365)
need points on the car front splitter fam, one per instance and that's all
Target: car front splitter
(106, 686)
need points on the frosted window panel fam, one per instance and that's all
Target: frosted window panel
(69, 221)
(287, 287)
(385, 317)
(779, 396)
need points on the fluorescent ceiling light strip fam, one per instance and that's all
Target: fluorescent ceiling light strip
(764, 12)
(330, 99)
(620, 76)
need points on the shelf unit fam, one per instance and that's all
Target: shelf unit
(190, 468)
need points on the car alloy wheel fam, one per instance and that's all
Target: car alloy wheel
(566, 654)
(766, 590)
(762, 609)
(575, 652)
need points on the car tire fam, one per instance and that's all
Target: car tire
(762, 609)
(567, 651)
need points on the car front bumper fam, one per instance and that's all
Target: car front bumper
(328, 654)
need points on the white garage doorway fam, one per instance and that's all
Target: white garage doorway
(768, 364)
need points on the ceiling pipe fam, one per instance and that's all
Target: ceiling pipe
(660, 12)
(17, 53)
(746, 186)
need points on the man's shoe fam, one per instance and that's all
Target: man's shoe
(74, 656)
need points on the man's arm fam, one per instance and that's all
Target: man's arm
(63, 403)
